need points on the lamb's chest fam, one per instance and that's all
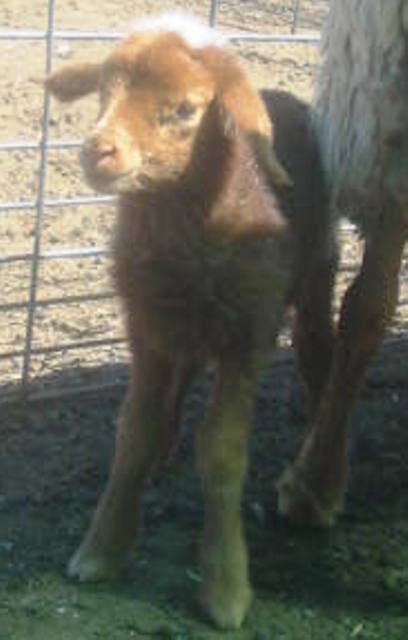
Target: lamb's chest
(214, 295)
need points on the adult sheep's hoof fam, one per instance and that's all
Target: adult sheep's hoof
(303, 504)
(86, 566)
(227, 610)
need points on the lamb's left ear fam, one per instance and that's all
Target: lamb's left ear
(74, 81)
(249, 111)
(268, 159)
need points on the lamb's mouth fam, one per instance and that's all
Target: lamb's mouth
(118, 182)
(141, 176)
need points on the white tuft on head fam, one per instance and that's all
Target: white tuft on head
(195, 33)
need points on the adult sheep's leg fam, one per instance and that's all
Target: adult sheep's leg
(222, 463)
(146, 428)
(312, 490)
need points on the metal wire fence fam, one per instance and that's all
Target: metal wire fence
(21, 386)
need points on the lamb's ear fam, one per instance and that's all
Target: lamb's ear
(268, 160)
(74, 81)
(249, 111)
(229, 131)
(223, 122)
(214, 147)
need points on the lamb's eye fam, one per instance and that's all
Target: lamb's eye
(185, 110)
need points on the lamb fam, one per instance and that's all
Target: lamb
(362, 123)
(221, 225)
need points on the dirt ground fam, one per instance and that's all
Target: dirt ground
(351, 582)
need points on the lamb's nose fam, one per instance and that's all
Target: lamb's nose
(99, 151)
(103, 150)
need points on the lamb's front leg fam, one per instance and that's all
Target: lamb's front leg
(145, 430)
(222, 462)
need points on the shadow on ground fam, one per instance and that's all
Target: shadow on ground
(350, 582)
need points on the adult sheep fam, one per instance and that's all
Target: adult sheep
(213, 241)
(362, 123)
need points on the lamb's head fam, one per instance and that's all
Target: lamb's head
(154, 89)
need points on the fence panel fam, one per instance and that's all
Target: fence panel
(38, 358)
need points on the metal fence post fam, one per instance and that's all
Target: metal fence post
(39, 208)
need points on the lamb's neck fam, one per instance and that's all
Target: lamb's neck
(244, 206)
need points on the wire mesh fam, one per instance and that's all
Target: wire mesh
(22, 386)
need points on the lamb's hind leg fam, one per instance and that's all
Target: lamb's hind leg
(312, 490)
(222, 462)
(313, 333)
(145, 431)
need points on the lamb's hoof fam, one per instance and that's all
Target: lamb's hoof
(226, 610)
(85, 566)
(301, 505)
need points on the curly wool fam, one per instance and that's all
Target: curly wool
(362, 106)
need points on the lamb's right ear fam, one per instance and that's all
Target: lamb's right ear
(74, 80)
